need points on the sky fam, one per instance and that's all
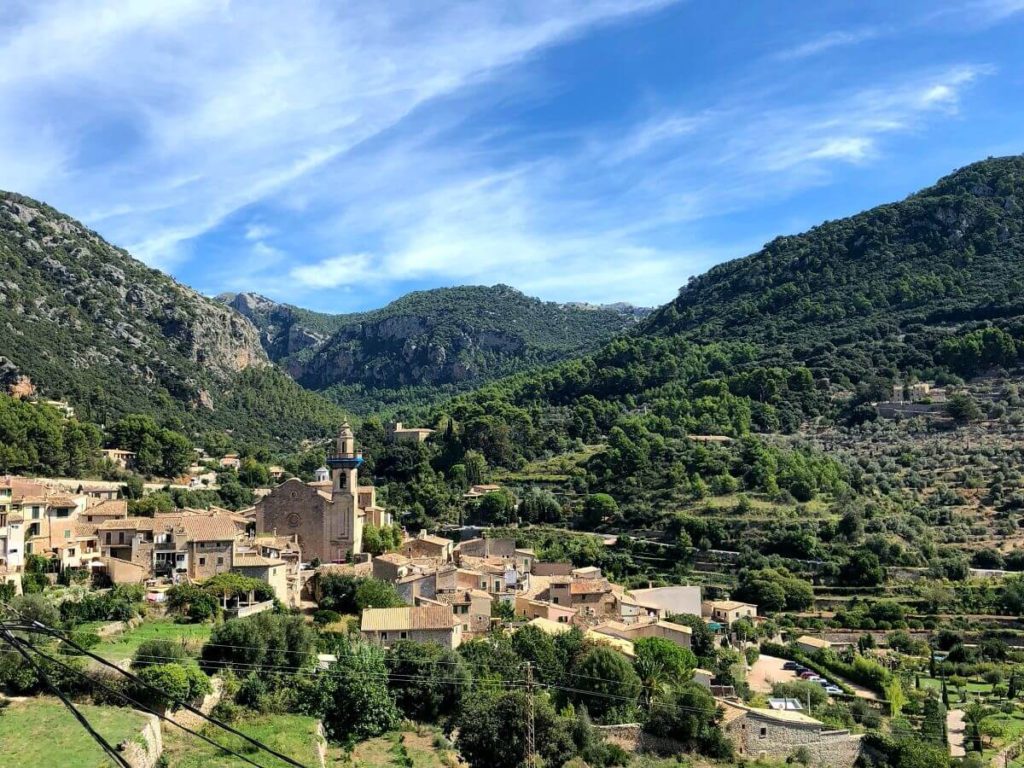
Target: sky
(336, 155)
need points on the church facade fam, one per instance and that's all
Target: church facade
(328, 514)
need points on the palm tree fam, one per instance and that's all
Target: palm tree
(653, 680)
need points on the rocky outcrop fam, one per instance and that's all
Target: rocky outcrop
(447, 336)
(81, 316)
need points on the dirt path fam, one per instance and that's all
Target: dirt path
(955, 729)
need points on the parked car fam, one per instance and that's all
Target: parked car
(807, 675)
(833, 690)
(792, 666)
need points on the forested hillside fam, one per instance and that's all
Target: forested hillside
(809, 329)
(928, 287)
(877, 292)
(427, 343)
(84, 321)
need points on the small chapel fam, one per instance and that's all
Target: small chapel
(329, 513)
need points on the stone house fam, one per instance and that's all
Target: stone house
(530, 608)
(196, 544)
(119, 458)
(425, 545)
(422, 623)
(96, 510)
(398, 433)
(273, 571)
(471, 608)
(776, 735)
(811, 645)
(725, 612)
(675, 633)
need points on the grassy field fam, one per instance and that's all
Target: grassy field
(400, 750)
(292, 735)
(41, 731)
(123, 646)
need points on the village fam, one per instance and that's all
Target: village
(298, 536)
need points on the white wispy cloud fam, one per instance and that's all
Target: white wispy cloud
(831, 40)
(196, 109)
(589, 224)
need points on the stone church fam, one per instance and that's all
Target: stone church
(328, 514)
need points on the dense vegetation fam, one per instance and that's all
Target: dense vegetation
(426, 343)
(87, 323)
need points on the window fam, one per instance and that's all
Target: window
(383, 635)
(120, 537)
(764, 732)
(179, 558)
(108, 537)
(35, 513)
(554, 600)
(67, 534)
(497, 586)
(63, 512)
(202, 561)
(483, 585)
(403, 635)
(220, 561)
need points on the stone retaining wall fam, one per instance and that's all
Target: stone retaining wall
(631, 737)
(138, 756)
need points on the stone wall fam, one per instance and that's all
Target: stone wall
(138, 756)
(757, 737)
(631, 737)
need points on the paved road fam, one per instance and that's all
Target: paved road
(955, 729)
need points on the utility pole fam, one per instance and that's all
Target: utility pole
(531, 754)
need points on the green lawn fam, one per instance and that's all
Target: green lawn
(123, 646)
(973, 687)
(41, 731)
(292, 735)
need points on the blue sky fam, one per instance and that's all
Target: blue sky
(337, 155)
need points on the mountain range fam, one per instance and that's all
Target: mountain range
(432, 341)
(856, 301)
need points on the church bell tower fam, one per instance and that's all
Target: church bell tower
(346, 462)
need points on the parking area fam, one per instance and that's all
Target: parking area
(768, 670)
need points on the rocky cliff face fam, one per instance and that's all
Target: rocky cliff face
(85, 320)
(284, 330)
(441, 337)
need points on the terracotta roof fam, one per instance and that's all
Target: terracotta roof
(393, 557)
(589, 587)
(108, 508)
(461, 596)
(438, 540)
(255, 561)
(128, 523)
(208, 528)
(816, 642)
(82, 530)
(407, 618)
(734, 711)
(730, 605)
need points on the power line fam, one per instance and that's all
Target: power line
(16, 644)
(134, 678)
(129, 700)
